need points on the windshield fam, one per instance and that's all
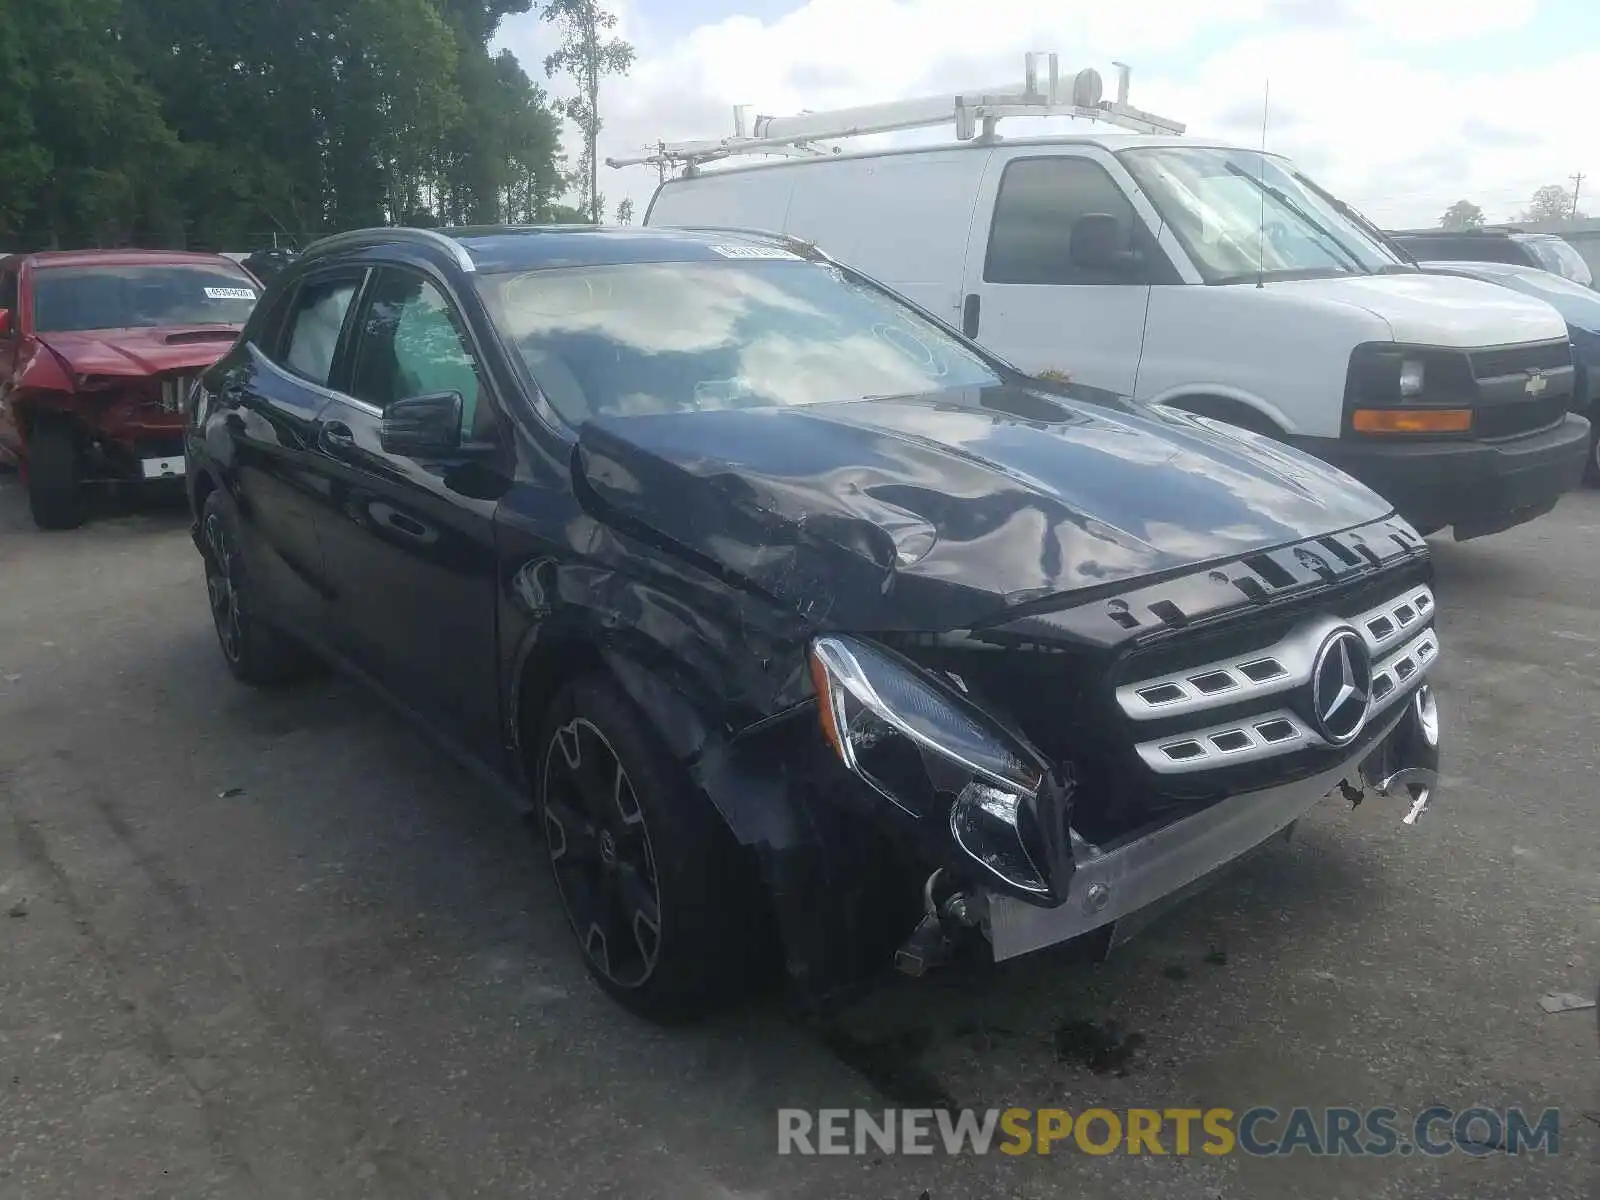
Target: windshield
(1556, 255)
(68, 299)
(1240, 213)
(677, 337)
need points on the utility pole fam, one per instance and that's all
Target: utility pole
(1577, 186)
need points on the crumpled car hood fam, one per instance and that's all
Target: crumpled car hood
(939, 512)
(141, 351)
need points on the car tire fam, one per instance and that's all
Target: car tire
(661, 899)
(55, 476)
(1591, 471)
(256, 652)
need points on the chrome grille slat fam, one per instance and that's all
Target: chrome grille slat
(1179, 693)
(1416, 656)
(1241, 742)
(1399, 636)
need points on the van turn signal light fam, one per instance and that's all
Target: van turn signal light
(1411, 420)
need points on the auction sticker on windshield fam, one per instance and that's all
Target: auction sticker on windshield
(755, 252)
(217, 293)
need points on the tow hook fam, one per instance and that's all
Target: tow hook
(934, 939)
(1418, 783)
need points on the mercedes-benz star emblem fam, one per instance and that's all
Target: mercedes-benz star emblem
(1341, 686)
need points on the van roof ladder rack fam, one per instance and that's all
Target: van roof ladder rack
(974, 115)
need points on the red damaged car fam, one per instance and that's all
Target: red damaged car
(98, 349)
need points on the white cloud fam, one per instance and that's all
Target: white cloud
(1391, 105)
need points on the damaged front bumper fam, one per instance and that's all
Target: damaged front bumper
(1117, 884)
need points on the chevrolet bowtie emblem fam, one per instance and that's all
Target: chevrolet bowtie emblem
(1536, 383)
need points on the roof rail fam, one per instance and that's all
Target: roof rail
(352, 238)
(974, 114)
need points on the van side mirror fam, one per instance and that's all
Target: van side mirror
(1099, 243)
(422, 425)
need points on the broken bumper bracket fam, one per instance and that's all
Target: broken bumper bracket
(1117, 882)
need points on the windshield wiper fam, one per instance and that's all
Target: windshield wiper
(1284, 199)
(1362, 221)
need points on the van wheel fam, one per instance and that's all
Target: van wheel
(256, 652)
(658, 893)
(55, 476)
(1591, 473)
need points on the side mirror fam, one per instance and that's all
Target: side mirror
(422, 425)
(5, 322)
(1099, 243)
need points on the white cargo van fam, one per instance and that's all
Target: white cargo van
(1211, 278)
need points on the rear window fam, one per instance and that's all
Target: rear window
(1559, 257)
(66, 299)
(747, 333)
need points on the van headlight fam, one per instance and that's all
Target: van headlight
(1413, 377)
(931, 753)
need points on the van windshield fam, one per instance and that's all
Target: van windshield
(1241, 214)
(765, 330)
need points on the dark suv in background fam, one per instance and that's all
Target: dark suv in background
(810, 632)
(1546, 251)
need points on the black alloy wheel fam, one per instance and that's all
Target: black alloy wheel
(256, 652)
(221, 589)
(600, 849)
(665, 904)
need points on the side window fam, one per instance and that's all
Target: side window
(411, 343)
(1041, 209)
(314, 325)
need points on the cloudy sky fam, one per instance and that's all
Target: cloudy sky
(1399, 106)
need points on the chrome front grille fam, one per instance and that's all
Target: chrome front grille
(1268, 691)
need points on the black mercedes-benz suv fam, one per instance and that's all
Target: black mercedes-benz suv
(808, 631)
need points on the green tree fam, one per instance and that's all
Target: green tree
(24, 163)
(1551, 203)
(1462, 215)
(625, 212)
(587, 54)
(221, 124)
(94, 160)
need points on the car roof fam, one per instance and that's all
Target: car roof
(1507, 235)
(40, 259)
(1426, 234)
(496, 249)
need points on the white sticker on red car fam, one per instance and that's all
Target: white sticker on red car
(229, 294)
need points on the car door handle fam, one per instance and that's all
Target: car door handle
(969, 315)
(336, 438)
(407, 525)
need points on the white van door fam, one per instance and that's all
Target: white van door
(898, 217)
(1060, 264)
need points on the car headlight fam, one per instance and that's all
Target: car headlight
(1412, 377)
(1382, 373)
(930, 752)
